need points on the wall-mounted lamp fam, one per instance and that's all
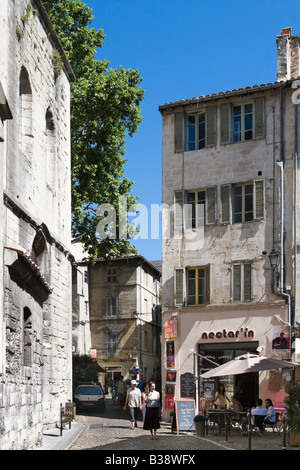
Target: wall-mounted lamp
(274, 258)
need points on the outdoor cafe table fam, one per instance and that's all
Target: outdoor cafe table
(217, 416)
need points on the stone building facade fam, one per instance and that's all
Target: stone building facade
(125, 318)
(35, 263)
(230, 182)
(81, 329)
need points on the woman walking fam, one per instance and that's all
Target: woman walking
(152, 401)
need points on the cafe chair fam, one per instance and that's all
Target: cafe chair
(259, 423)
(275, 426)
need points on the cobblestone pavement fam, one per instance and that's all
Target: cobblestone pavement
(111, 431)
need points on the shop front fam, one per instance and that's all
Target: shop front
(202, 340)
(245, 386)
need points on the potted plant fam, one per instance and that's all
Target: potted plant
(292, 403)
(199, 421)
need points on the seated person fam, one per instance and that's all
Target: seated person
(236, 405)
(259, 410)
(271, 415)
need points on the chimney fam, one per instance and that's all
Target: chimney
(288, 55)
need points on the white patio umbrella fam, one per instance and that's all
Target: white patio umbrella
(247, 363)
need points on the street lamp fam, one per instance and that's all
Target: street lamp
(274, 259)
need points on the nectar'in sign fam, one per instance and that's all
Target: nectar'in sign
(244, 332)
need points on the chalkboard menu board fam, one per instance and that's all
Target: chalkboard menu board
(187, 385)
(185, 411)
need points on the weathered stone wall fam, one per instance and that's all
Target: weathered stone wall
(222, 244)
(36, 309)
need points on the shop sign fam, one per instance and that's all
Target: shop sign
(171, 329)
(224, 334)
(93, 354)
(169, 402)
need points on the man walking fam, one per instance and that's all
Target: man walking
(134, 401)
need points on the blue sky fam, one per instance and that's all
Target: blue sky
(185, 49)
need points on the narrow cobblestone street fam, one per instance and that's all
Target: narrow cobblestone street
(111, 431)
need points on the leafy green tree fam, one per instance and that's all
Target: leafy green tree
(105, 109)
(85, 369)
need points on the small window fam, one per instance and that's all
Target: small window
(241, 282)
(111, 275)
(111, 306)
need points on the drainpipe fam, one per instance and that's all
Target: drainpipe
(282, 215)
(295, 215)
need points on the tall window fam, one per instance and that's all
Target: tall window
(242, 122)
(196, 132)
(111, 306)
(111, 343)
(198, 286)
(241, 282)
(27, 337)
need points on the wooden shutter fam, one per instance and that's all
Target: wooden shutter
(207, 285)
(247, 282)
(179, 286)
(179, 132)
(225, 203)
(210, 205)
(236, 283)
(259, 118)
(259, 200)
(225, 123)
(211, 134)
(178, 211)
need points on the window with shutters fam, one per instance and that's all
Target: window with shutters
(241, 282)
(192, 286)
(198, 286)
(242, 202)
(201, 208)
(195, 131)
(111, 343)
(111, 306)
(242, 121)
(193, 209)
